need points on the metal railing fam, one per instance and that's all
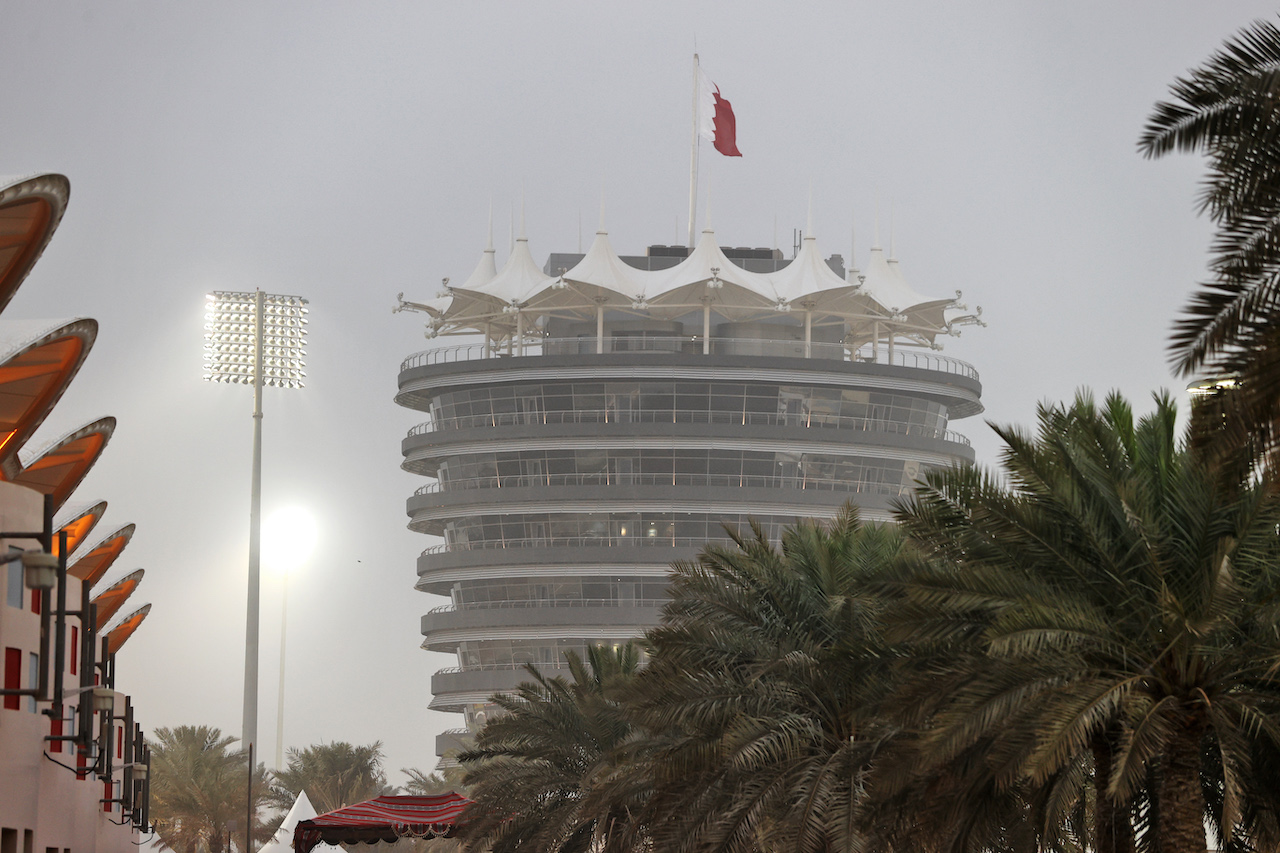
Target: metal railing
(693, 345)
(538, 603)
(807, 420)
(740, 481)
(499, 667)
(575, 542)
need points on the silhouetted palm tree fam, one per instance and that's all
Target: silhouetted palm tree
(1130, 617)
(548, 774)
(1229, 110)
(763, 689)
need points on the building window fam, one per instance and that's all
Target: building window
(13, 589)
(33, 678)
(12, 676)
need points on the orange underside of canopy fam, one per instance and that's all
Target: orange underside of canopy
(60, 470)
(92, 566)
(30, 382)
(123, 631)
(22, 225)
(111, 600)
(77, 530)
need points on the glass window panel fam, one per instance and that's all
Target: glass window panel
(13, 589)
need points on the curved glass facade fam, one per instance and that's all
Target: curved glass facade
(668, 467)
(638, 529)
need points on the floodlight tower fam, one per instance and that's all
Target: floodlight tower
(254, 339)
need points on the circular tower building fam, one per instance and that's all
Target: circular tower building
(618, 413)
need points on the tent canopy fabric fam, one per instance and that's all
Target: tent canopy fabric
(515, 302)
(382, 819)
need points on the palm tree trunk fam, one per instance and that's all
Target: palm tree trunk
(1112, 831)
(1181, 827)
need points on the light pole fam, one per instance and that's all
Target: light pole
(289, 539)
(256, 339)
(284, 627)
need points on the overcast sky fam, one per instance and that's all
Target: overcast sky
(346, 152)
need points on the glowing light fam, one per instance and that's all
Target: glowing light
(288, 538)
(230, 338)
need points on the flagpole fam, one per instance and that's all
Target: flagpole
(693, 156)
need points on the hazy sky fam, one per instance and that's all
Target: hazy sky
(346, 152)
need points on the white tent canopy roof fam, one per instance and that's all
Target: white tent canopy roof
(880, 298)
(519, 279)
(601, 277)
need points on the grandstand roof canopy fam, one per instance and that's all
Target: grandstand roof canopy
(38, 360)
(117, 636)
(111, 599)
(30, 209)
(99, 558)
(78, 520)
(58, 468)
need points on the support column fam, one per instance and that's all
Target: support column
(808, 333)
(875, 341)
(599, 327)
(706, 325)
(519, 332)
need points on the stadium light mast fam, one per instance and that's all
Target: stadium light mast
(256, 339)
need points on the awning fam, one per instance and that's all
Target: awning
(382, 819)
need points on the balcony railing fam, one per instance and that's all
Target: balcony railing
(737, 481)
(693, 345)
(807, 420)
(500, 667)
(522, 604)
(574, 542)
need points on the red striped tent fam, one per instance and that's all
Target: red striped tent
(382, 819)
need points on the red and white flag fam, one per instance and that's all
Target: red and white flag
(716, 123)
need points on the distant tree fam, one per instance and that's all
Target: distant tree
(198, 788)
(424, 784)
(334, 775)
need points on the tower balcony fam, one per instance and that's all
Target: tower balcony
(592, 619)
(441, 566)
(456, 687)
(423, 375)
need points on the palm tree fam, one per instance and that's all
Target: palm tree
(424, 784)
(334, 775)
(549, 774)
(766, 673)
(198, 788)
(1228, 110)
(1129, 614)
